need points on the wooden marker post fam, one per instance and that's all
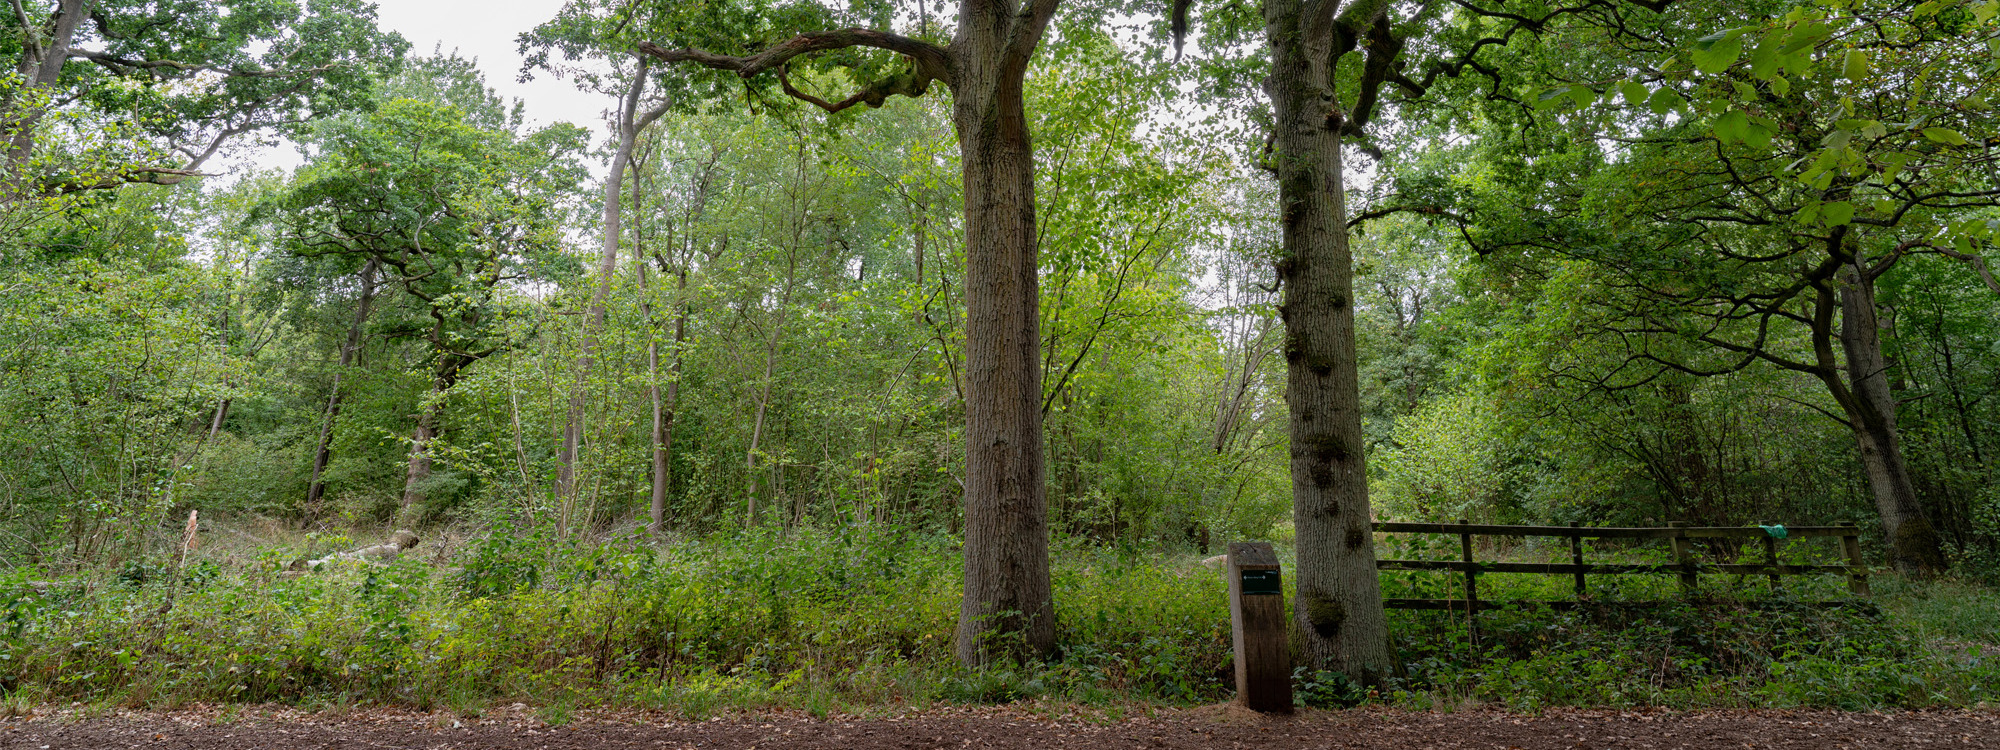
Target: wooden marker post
(1257, 628)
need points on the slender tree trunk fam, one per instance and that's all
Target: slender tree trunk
(216, 419)
(1008, 610)
(1340, 625)
(350, 355)
(1914, 546)
(630, 123)
(663, 413)
(661, 468)
(763, 409)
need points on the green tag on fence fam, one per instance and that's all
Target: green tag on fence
(1776, 532)
(1262, 582)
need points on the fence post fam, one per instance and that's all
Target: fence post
(1257, 628)
(1576, 558)
(1471, 588)
(1684, 556)
(1857, 569)
(1771, 558)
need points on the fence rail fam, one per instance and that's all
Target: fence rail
(1681, 537)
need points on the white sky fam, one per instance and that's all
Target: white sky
(485, 30)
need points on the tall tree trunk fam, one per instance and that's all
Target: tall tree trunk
(1008, 610)
(1340, 625)
(448, 366)
(40, 67)
(629, 125)
(662, 432)
(757, 427)
(419, 467)
(350, 355)
(1914, 546)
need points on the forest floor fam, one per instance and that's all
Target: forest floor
(1016, 726)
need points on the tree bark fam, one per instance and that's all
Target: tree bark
(350, 355)
(1914, 546)
(629, 125)
(1008, 610)
(419, 467)
(40, 67)
(1340, 624)
(444, 376)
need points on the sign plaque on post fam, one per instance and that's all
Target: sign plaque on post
(1257, 628)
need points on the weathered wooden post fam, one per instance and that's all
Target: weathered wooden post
(1857, 568)
(1257, 628)
(1471, 588)
(1684, 556)
(1576, 558)
(1771, 554)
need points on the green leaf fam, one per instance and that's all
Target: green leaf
(1764, 60)
(1732, 125)
(1885, 207)
(1583, 96)
(1892, 165)
(1780, 85)
(1744, 91)
(1837, 213)
(1804, 37)
(1758, 136)
(1718, 56)
(1666, 100)
(1984, 12)
(1856, 67)
(1635, 92)
(1945, 136)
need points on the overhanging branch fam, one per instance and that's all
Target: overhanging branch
(930, 60)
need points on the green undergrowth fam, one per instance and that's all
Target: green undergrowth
(844, 621)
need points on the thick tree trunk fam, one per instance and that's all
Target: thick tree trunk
(1008, 611)
(39, 67)
(419, 468)
(350, 355)
(448, 367)
(1914, 545)
(1340, 625)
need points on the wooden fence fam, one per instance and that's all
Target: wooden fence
(1681, 537)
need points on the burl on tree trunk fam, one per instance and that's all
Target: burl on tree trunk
(1339, 624)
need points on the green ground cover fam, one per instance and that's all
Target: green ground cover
(824, 622)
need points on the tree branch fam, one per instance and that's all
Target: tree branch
(931, 60)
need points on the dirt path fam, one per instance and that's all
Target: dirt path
(938, 729)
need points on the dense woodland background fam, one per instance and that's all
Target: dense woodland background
(1614, 263)
(412, 302)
